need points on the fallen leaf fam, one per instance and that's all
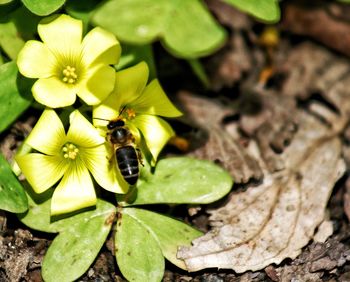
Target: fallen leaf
(275, 220)
(324, 231)
(272, 126)
(220, 146)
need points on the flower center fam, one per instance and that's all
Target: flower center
(69, 75)
(70, 151)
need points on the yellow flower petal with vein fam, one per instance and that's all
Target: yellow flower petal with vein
(35, 60)
(42, 171)
(61, 33)
(53, 93)
(81, 132)
(156, 132)
(129, 84)
(154, 101)
(75, 191)
(100, 47)
(94, 90)
(48, 135)
(102, 166)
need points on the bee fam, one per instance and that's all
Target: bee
(127, 154)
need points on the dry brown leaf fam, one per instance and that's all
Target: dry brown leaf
(318, 23)
(220, 146)
(273, 127)
(274, 220)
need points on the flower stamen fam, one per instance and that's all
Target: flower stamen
(70, 151)
(130, 113)
(69, 75)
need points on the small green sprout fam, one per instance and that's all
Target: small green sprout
(68, 66)
(73, 156)
(141, 104)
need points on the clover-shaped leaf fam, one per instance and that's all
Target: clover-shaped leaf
(81, 237)
(12, 196)
(183, 180)
(265, 10)
(14, 94)
(185, 28)
(138, 254)
(144, 237)
(43, 8)
(168, 232)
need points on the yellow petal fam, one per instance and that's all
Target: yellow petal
(102, 166)
(41, 171)
(82, 133)
(100, 47)
(74, 192)
(35, 60)
(129, 84)
(48, 135)
(156, 132)
(98, 86)
(154, 101)
(102, 114)
(53, 93)
(61, 33)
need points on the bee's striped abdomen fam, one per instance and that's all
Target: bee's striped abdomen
(128, 163)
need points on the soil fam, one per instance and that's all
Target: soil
(310, 47)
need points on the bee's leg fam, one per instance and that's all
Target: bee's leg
(139, 156)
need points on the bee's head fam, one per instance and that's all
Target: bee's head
(115, 123)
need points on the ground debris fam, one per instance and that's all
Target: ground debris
(315, 261)
(321, 22)
(21, 255)
(220, 146)
(235, 60)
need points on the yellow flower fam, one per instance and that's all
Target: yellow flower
(68, 66)
(141, 104)
(69, 157)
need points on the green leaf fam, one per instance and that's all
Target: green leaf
(183, 181)
(10, 40)
(12, 196)
(138, 254)
(81, 10)
(6, 9)
(15, 94)
(43, 8)
(15, 28)
(169, 233)
(76, 247)
(133, 54)
(3, 2)
(265, 10)
(185, 28)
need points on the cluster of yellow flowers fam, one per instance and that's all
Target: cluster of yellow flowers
(67, 65)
